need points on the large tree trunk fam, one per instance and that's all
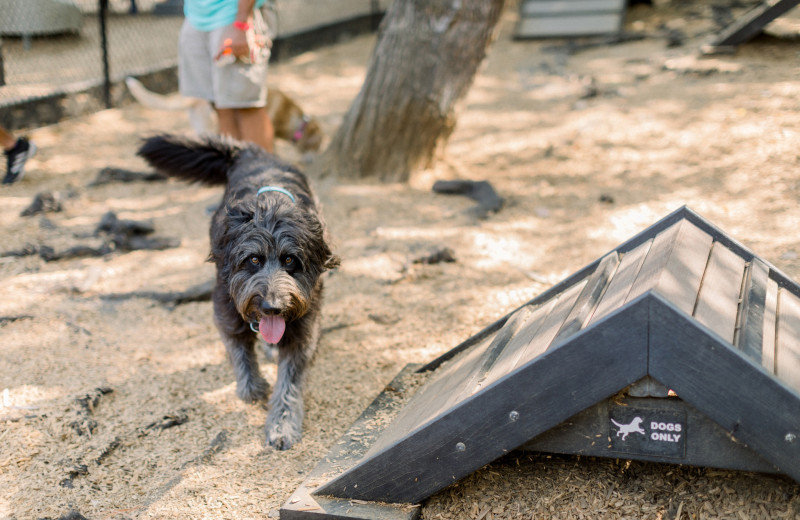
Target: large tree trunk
(425, 59)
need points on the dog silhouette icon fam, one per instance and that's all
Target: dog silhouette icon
(633, 427)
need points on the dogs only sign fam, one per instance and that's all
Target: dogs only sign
(647, 431)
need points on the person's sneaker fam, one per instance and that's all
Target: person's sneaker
(15, 159)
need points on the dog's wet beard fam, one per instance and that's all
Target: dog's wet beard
(268, 291)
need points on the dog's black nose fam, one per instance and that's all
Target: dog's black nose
(269, 310)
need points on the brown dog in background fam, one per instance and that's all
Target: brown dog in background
(290, 122)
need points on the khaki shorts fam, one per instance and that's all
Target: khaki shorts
(235, 85)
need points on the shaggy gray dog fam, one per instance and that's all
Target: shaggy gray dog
(268, 241)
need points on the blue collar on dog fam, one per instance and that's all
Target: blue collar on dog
(275, 188)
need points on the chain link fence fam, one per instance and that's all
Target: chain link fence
(50, 48)
(63, 58)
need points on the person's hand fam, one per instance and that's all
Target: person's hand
(234, 45)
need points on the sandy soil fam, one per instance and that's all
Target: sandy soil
(125, 407)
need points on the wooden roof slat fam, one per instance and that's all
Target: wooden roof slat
(620, 285)
(462, 376)
(513, 327)
(769, 330)
(787, 353)
(674, 265)
(589, 298)
(508, 358)
(544, 338)
(533, 340)
(683, 271)
(654, 262)
(718, 301)
(528, 317)
(433, 398)
(750, 331)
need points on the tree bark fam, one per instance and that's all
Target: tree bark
(425, 59)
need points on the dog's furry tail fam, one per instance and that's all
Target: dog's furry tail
(205, 160)
(151, 99)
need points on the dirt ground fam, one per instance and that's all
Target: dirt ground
(121, 407)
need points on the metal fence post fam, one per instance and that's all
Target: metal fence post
(103, 13)
(2, 66)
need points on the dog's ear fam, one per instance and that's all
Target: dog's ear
(219, 252)
(224, 234)
(205, 160)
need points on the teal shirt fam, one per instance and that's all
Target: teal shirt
(207, 15)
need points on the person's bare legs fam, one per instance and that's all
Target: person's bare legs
(7, 140)
(226, 122)
(256, 126)
(248, 124)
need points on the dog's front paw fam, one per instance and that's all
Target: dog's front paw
(254, 389)
(283, 434)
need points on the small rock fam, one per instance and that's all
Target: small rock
(444, 254)
(44, 202)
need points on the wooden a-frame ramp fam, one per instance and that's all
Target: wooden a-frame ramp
(678, 346)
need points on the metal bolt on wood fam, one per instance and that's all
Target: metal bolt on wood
(513, 416)
(790, 438)
(461, 446)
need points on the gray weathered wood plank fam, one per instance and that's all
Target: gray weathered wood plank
(682, 274)
(433, 397)
(750, 331)
(588, 299)
(718, 301)
(472, 381)
(770, 322)
(787, 354)
(648, 387)
(527, 332)
(674, 265)
(521, 350)
(654, 262)
(617, 291)
(490, 356)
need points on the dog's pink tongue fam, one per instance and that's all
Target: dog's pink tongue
(271, 328)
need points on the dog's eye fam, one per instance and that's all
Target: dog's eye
(256, 261)
(288, 261)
